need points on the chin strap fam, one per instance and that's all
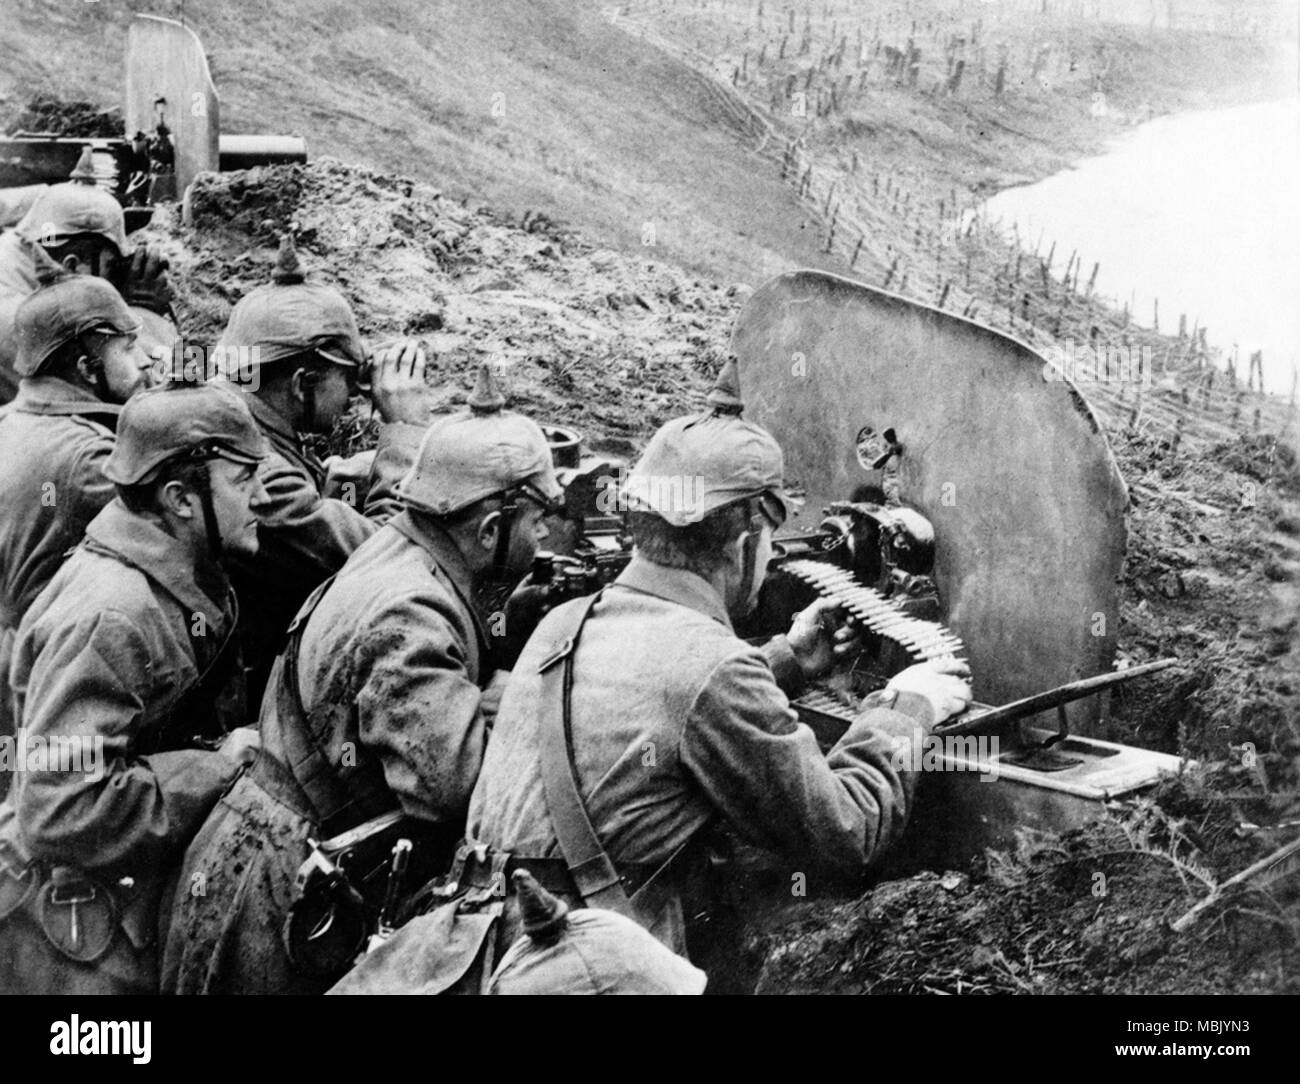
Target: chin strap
(203, 486)
(505, 530)
(757, 521)
(309, 401)
(215, 546)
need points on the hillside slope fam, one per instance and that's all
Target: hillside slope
(412, 87)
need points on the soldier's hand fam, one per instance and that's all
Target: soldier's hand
(490, 700)
(945, 683)
(142, 280)
(397, 383)
(820, 637)
(241, 745)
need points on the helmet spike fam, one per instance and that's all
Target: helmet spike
(487, 397)
(84, 171)
(544, 915)
(725, 396)
(288, 269)
(48, 271)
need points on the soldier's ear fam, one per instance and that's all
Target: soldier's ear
(174, 497)
(488, 527)
(735, 553)
(89, 368)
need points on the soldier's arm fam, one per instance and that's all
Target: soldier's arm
(120, 812)
(300, 529)
(418, 710)
(785, 668)
(764, 771)
(84, 483)
(399, 443)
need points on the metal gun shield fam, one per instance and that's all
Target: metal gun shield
(998, 450)
(165, 59)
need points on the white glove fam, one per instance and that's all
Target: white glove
(945, 683)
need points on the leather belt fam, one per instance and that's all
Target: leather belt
(551, 873)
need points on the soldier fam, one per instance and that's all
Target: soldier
(295, 347)
(126, 680)
(78, 360)
(635, 717)
(382, 698)
(83, 229)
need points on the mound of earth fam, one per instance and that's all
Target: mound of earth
(46, 113)
(581, 335)
(1087, 912)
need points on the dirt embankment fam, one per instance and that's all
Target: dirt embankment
(581, 335)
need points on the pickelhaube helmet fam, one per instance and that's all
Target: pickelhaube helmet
(588, 951)
(60, 310)
(289, 316)
(177, 419)
(76, 207)
(477, 453)
(697, 464)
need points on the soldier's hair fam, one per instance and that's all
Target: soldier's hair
(144, 497)
(699, 547)
(285, 367)
(63, 362)
(87, 247)
(469, 514)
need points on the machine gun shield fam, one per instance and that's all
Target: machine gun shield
(165, 60)
(1000, 452)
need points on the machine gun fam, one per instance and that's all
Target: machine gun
(967, 507)
(171, 132)
(875, 558)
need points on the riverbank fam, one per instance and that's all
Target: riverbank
(896, 124)
(1191, 214)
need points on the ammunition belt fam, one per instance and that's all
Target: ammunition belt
(921, 639)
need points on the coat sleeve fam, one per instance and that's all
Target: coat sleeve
(418, 710)
(399, 443)
(299, 530)
(121, 813)
(85, 483)
(764, 771)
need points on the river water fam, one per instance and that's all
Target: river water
(1200, 210)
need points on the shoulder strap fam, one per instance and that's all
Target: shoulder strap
(593, 871)
(591, 868)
